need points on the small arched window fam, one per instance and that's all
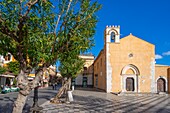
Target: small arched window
(8, 57)
(112, 37)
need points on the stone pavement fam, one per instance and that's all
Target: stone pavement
(91, 101)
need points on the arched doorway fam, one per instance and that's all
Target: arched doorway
(129, 78)
(129, 84)
(161, 85)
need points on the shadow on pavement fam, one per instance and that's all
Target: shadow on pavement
(26, 108)
(7, 108)
(89, 89)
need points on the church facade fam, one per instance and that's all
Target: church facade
(128, 65)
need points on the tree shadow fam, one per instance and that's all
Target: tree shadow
(26, 108)
(102, 105)
(126, 104)
(7, 108)
(89, 89)
(158, 102)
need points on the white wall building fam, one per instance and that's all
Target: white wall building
(85, 78)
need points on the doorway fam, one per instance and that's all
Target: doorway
(84, 81)
(130, 84)
(161, 85)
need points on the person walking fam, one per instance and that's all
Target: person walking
(55, 85)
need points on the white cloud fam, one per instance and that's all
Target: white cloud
(158, 56)
(166, 53)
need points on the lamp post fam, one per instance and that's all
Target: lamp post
(36, 108)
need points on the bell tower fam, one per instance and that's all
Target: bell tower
(112, 34)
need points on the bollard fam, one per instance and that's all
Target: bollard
(70, 96)
(73, 88)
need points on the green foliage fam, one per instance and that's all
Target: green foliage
(15, 82)
(80, 28)
(44, 31)
(2, 70)
(24, 30)
(77, 37)
(13, 67)
(71, 66)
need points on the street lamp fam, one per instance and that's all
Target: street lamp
(35, 108)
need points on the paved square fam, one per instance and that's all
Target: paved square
(86, 101)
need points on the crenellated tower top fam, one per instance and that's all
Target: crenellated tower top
(112, 34)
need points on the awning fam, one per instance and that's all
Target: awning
(10, 76)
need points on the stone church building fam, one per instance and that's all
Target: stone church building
(128, 65)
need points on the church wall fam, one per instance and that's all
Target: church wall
(100, 71)
(143, 55)
(169, 80)
(163, 72)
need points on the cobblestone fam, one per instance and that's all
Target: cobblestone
(96, 101)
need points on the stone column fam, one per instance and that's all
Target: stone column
(152, 77)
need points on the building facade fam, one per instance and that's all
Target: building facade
(85, 78)
(128, 65)
(6, 78)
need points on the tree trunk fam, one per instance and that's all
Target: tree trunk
(19, 103)
(69, 84)
(23, 93)
(25, 89)
(63, 90)
(68, 88)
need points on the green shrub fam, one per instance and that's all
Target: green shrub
(2, 70)
(15, 82)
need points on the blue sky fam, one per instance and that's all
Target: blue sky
(146, 19)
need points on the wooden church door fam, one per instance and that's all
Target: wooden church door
(129, 84)
(161, 85)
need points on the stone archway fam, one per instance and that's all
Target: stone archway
(161, 85)
(129, 78)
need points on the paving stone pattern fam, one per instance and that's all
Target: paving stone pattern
(86, 101)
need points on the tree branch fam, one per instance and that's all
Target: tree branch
(30, 4)
(59, 17)
(4, 29)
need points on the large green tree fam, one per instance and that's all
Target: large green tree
(71, 66)
(40, 31)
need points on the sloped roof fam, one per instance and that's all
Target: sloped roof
(132, 36)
